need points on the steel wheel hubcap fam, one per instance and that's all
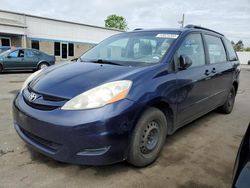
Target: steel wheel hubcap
(149, 138)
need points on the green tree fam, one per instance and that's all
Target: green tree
(239, 46)
(247, 49)
(116, 22)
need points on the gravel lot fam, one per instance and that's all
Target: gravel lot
(201, 154)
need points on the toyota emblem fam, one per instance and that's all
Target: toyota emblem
(32, 97)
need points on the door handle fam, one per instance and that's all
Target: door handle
(207, 72)
(214, 70)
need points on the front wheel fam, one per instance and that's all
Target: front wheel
(42, 66)
(148, 138)
(1, 68)
(229, 104)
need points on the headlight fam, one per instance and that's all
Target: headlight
(100, 96)
(29, 79)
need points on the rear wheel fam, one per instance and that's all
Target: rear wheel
(229, 104)
(42, 65)
(148, 138)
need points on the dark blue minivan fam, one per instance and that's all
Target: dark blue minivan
(122, 98)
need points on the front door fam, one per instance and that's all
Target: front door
(194, 83)
(14, 60)
(64, 51)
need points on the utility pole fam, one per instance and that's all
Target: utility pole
(182, 21)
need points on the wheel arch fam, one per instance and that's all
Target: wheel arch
(168, 112)
(42, 61)
(236, 85)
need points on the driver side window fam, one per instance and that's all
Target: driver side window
(17, 53)
(13, 54)
(192, 46)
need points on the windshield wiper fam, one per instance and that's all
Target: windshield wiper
(102, 61)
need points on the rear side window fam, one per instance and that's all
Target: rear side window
(192, 47)
(216, 50)
(29, 53)
(230, 50)
(37, 53)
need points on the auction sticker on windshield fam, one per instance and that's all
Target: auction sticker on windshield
(169, 36)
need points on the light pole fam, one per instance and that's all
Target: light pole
(182, 21)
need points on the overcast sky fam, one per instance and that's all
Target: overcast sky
(231, 17)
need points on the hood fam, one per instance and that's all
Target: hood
(70, 79)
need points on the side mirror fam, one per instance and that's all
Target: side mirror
(8, 56)
(185, 61)
(74, 60)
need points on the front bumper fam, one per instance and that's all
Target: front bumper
(92, 137)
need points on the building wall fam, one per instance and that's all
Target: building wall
(47, 31)
(244, 57)
(47, 46)
(16, 41)
(82, 48)
(56, 30)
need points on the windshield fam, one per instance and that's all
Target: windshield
(4, 53)
(132, 49)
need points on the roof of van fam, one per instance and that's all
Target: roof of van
(186, 28)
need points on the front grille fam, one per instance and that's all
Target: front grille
(52, 146)
(47, 97)
(52, 98)
(40, 106)
(43, 102)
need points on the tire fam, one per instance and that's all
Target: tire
(1, 68)
(42, 65)
(148, 138)
(229, 104)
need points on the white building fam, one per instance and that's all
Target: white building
(244, 57)
(64, 39)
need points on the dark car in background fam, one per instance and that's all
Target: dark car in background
(242, 165)
(122, 98)
(25, 59)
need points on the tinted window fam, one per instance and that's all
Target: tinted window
(216, 50)
(192, 47)
(71, 49)
(35, 44)
(57, 49)
(29, 53)
(231, 52)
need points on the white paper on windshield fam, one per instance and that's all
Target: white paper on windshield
(168, 36)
